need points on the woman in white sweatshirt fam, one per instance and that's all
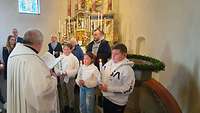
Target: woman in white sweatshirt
(87, 80)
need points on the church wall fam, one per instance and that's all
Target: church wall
(171, 29)
(47, 21)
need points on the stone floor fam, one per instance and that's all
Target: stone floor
(149, 103)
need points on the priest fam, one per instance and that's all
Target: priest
(30, 86)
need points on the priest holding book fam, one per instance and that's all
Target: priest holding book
(30, 86)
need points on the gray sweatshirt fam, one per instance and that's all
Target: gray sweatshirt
(120, 79)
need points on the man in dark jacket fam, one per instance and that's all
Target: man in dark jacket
(15, 34)
(99, 47)
(55, 48)
(77, 51)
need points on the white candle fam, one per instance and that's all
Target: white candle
(100, 65)
(101, 21)
(61, 29)
(82, 24)
(94, 25)
(74, 27)
(69, 23)
(105, 26)
(59, 25)
(98, 18)
(89, 23)
(77, 22)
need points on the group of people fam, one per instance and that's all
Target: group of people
(34, 88)
(7, 49)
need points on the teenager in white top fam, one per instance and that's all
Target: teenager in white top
(87, 80)
(117, 81)
(68, 67)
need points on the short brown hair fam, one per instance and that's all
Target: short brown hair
(98, 29)
(91, 55)
(70, 46)
(121, 47)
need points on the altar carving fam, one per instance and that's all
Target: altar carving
(89, 15)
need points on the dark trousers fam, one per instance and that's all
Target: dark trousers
(2, 100)
(109, 107)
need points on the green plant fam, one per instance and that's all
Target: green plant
(146, 63)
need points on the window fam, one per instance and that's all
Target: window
(29, 6)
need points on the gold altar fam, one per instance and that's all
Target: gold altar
(89, 15)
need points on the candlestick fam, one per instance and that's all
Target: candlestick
(61, 30)
(94, 5)
(98, 19)
(82, 24)
(69, 23)
(100, 64)
(109, 5)
(74, 28)
(89, 24)
(101, 21)
(94, 25)
(77, 22)
(100, 68)
(59, 25)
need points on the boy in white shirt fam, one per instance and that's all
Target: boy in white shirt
(68, 67)
(87, 80)
(117, 81)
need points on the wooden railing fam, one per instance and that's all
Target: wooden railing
(164, 95)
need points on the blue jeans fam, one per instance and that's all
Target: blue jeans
(87, 99)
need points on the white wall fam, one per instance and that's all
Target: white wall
(172, 30)
(47, 21)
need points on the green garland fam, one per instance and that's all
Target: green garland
(154, 65)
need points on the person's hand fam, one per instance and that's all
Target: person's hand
(59, 74)
(103, 87)
(53, 73)
(81, 82)
(1, 67)
(62, 75)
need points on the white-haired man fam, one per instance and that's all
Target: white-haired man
(31, 88)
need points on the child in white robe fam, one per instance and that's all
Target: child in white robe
(68, 68)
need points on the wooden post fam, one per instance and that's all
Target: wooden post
(109, 5)
(94, 6)
(69, 7)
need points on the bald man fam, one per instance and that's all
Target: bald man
(30, 86)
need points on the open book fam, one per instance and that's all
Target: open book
(50, 60)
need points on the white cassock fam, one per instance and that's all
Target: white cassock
(30, 86)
